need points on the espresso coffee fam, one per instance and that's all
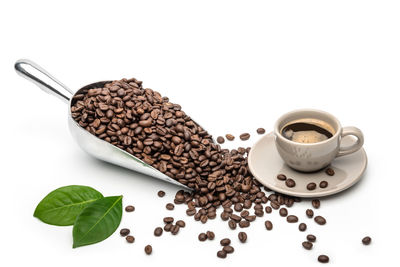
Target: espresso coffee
(307, 131)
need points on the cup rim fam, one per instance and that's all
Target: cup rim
(278, 134)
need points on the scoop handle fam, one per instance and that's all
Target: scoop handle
(44, 80)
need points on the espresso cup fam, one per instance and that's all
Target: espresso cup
(309, 157)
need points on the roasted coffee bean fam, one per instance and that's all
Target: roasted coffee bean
(292, 219)
(311, 238)
(310, 213)
(158, 231)
(307, 245)
(244, 136)
(210, 235)
(283, 212)
(244, 214)
(192, 212)
(228, 249)
(275, 204)
(148, 249)
(366, 240)
(268, 225)
(230, 137)
(202, 237)
(129, 208)
(168, 220)
(316, 203)
(261, 131)
(330, 171)
(175, 229)
(221, 254)
(225, 216)
(220, 140)
(290, 183)
(170, 206)
(161, 193)
(242, 237)
(235, 217)
(320, 220)
(268, 209)
(250, 218)
(281, 177)
(323, 258)
(302, 227)
(232, 224)
(130, 239)
(238, 207)
(168, 227)
(259, 213)
(311, 186)
(181, 223)
(225, 242)
(323, 184)
(124, 232)
(244, 224)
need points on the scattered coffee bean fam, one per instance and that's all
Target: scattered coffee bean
(228, 249)
(307, 245)
(366, 240)
(292, 219)
(230, 137)
(168, 220)
(283, 212)
(221, 254)
(275, 204)
(316, 203)
(244, 136)
(158, 231)
(268, 225)
(311, 238)
(290, 183)
(220, 140)
(175, 229)
(330, 171)
(225, 242)
(323, 258)
(238, 207)
(202, 237)
(259, 213)
(268, 209)
(244, 224)
(320, 220)
(130, 239)
(168, 227)
(310, 213)
(170, 206)
(181, 223)
(242, 237)
(210, 235)
(124, 232)
(281, 177)
(148, 249)
(225, 216)
(161, 193)
(129, 208)
(311, 186)
(302, 227)
(261, 131)
(323, 184)
(244, 214)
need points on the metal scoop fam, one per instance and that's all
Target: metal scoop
(93, 145)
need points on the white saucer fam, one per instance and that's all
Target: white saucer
(265, 164)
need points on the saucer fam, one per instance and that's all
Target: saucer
(265, 164)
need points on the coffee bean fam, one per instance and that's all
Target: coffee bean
(259, 213)
(244, 224)
(228, 249)
(168, 220)
(311, 238)
(320, 220)
(181, 223)
(130, 239)
(323, 258)
(168, 227)
(268, 209)
(275, 204)
(235, 217)
(232, 224)
(230, 137)
(161, 193)
(316, 203)
(225, 242)
(251, 218)
(244, 214)
(202, 237)
(244, 136)
(158, 231)
(268, 225)
(238, 207)
(323, 184)
(148, 249)
(283, 212)
(124, 232)
(221, 254)
(242, 237)
(175, 229)
(366, 240)
(307, 245)
(292, 219)
(281, 177)
(330, 171)
(310, 213)
(225, 216)
(170, 206)
(220, 140)
(302, 227)
(190, 212)
(210, 235)
(290, 183)
(129, 208)
(261, 131)
(311, 186)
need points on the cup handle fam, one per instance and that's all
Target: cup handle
(354, 131)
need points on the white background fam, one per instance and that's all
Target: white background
(233, 66)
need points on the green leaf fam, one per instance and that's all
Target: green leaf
(63, 205)
(97, 221)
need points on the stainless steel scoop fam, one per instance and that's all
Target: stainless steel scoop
(93, 145)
